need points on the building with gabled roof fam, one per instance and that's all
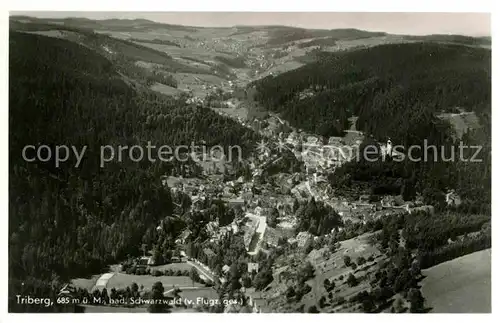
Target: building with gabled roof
(252, 266)
(303, 238)
(209, 253)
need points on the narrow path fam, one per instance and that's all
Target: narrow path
(102, 282)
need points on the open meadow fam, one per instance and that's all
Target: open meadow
(462, 285)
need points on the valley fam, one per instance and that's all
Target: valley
(303, 221)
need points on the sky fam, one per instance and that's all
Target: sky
(414, 23)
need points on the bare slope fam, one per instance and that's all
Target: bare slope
(462, 285)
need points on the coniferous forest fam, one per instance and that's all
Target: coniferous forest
(66, 221)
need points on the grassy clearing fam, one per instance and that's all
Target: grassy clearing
(462, 285)
(165, 89)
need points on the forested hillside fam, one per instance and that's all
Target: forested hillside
(397, 92)
(389, 80)
(66, 221)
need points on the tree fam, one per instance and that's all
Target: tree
(306, 272)
(263, 278)
(312, 309)
(177, 292)
(398, 305)
(322, 301)
(113, 293)
(361, 261)
(351, 280)
(290, 293)
(157, 256)
(193, 274)
(416, 301)
(158, 304)
(134, 289)
(347, 261)
(272, 219)
(368, 305)
(329, 285)
(247, 281)
(105, 296)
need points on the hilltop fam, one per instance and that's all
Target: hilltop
(175, 59)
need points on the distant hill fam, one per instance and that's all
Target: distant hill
(285, 35)
(454, 39)
(105, 24)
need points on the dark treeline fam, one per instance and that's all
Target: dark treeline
(428, 240)
(155, 41)
(328, 41)
(436, 238)
(455, 250)
(233, 62)
(317, 218)
(457, 39)
(70, 222)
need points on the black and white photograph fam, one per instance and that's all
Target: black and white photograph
(249, 162)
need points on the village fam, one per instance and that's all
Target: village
(289, 167)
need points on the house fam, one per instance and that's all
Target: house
(272, 237)
(255, 300)
(146, 261)
(213, 227)
(236, 202)
(364, 198)
(209, 253)
(303, 239)
(429, 209)
(249, 229)
(335, 141)
(182, 239)
(252, 266)
(391, 201)
(453, 199)
(226, 269)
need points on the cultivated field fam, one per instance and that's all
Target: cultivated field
(462, 285)
(120, 280)
(85, 283)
